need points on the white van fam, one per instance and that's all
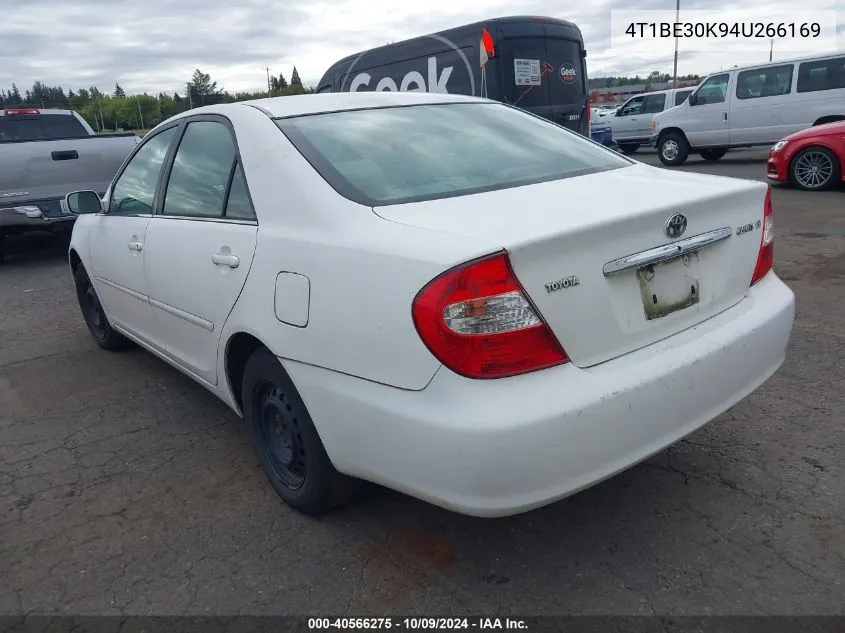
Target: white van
(631, 121)
(746, 107)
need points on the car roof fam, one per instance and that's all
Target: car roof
(451, 32)
(40, 110)
(297, 105)
(780, 62)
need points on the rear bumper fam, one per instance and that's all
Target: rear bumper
(500, 447)
(30, 216)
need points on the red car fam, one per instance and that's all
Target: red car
(812, 159)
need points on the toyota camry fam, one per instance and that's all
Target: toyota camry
(443, 295)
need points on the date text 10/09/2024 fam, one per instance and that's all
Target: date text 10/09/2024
(417, 624)
(737, 30)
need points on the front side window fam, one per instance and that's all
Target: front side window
(200, 174)
(404, 154)
(764, 82)
(135, 189)
(713, 90)
(634, 106)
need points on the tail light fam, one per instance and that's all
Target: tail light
(14, 111)
(766, 256)
(477, 320)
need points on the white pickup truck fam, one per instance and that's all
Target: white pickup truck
(44, 154)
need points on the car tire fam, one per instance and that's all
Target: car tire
(94, 315)
(712, 154)
(815, 169)
(628, 148)
(286, 441)
(673, 149)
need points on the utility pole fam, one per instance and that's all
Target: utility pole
(140, 116)
(675, 71)
(267, 68)
(102, 119)
(190, 100)
(771, 48)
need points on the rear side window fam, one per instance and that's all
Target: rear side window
(28, 127)
(238, 206)
(772, 81)
(200, 174)
(654, 103)
(825, 74)
(681, 96)
(406, 154)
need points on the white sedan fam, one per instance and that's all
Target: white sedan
(440, 294)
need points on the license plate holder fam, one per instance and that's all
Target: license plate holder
(670, 286)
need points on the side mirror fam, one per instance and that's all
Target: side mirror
(83, 202)
(693, 98)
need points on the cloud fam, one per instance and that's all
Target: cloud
(157, 44)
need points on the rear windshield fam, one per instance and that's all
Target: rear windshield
(28, 127)
(407, 154)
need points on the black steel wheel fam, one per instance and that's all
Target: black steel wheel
(286, 441)
(281, 436)
(94, 315)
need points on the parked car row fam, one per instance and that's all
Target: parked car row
(753, 106)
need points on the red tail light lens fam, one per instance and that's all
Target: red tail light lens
(477, 320)
(14, 111)
(766, 257)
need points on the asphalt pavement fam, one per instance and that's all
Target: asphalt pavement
(127, 489)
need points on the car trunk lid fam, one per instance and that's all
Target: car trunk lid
(574, 245)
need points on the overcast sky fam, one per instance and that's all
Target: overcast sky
(152, 45)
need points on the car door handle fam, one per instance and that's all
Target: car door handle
(225, 259)
(69, 154)
(135, 245)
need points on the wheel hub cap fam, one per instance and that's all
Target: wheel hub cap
(670, 150)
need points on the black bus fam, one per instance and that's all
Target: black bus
(534, 63)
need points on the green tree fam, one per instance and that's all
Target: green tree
(15, 96)
(204, 91)
(294, 78)
(118, 92)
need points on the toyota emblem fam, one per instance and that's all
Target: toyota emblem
(676, 225)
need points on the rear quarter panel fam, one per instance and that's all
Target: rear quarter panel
(364, 272)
